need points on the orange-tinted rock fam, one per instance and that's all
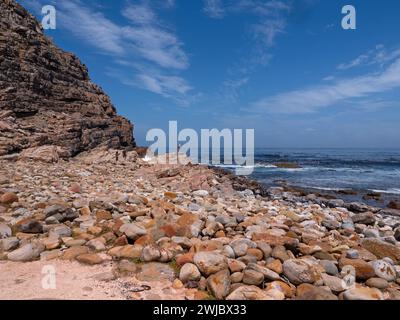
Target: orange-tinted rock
(275, 240)
(75, 188)
(73, 252)
(121, 241)
(128, 252)
(256, 253)
(220, 234)
(276, 266)
(103, 215)
(382, 249)
(201, 295)
(307, 291)
(184, 258)
(364, 270)
(170, 195)
(85, 211)
(8, 198)
(117, 225)
(170, 230)
(144, 240)
(89, 258)
(283, 287)
(95, 230)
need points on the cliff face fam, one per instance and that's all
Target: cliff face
(46, 96)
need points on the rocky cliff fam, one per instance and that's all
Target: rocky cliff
(46, 96)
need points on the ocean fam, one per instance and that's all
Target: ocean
(362, 170)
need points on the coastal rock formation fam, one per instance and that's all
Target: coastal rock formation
(46, 96)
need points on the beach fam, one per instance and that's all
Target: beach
(199, 232)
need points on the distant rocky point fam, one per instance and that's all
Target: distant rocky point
(47, 101)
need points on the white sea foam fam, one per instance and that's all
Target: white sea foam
(388, 191)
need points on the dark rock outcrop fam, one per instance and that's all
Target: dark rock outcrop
(46, 96)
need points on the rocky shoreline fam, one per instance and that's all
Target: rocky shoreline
(193, 232)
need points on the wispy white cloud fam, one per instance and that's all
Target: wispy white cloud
(231, 88)
(91, 26)
(214, 8)
(269, 20)
(377, 56)
(139, 14)
(329, 78)
(144, 39)
(314, 98)
(153, 80)
(271, 14)
(267, 31)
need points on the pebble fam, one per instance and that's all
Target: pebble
(200, 193)
(189, 272)
(252, 277)
(382, 249)
(378, 283)
(150, 253)
(236, 277)
(132, 231)
(334, 283)
(8, 198)
(329, 267)
(29, 226)
(9, 244)
(307, 291)
(89, 258)
(60, 231)
(210, 262)
(352, 254)
(27, 252)
(362, 293)
(219, 284)
(384, 270)
(298, 272)
(5, 231)
(248, 293)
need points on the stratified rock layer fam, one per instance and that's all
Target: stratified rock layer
(46, 96)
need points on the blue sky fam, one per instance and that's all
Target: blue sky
(285, 68)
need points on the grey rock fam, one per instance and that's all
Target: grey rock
(5, 231)
(352, 254)
(219, 284)
(9, 244)
(298, 272)
(330, 267)
(189, 272)
(265, 248)
(367, 218)
(150, 253)
(371, 233)
(252, 277)
(27, 252)
(60, 231)
(132, 231)
(384, 270)
(194, 207)
(240, 246)
(200, 193)
(210, 262)
(378, 283)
